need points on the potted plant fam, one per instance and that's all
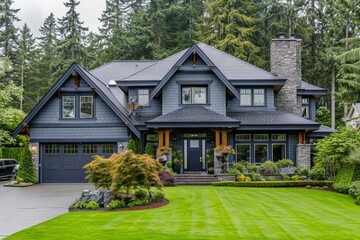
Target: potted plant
(176, 161)
(210, 158)
(223, 153)
(162, 154)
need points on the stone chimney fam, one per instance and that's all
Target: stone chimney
(286, 63)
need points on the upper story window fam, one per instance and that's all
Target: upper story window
(252, 97)
(86, 106)
(68, 106)
(143, 97)
(194, 95)
(305, 108)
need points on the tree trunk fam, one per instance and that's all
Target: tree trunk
(22, 85)
(333, 78)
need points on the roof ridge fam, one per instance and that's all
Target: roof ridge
(114, 61)
(238, 59)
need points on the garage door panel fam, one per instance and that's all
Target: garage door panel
(63, 163)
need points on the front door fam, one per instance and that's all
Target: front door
(194, 155)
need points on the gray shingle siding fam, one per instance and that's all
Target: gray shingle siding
(155, 104)
(78, 133)
(217, 91)
(233, 104)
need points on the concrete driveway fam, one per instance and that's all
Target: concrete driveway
(21, 208)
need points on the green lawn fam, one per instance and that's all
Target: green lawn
(216, 213)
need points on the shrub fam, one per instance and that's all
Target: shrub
(166, 178)
(26, 167)
(134, 145)
(234, 171)
(252, 168)
(139, 202)
(271, 179)
(116, 203)
(344, 178)
(242, 178)
(140, 193)
(80, 204)
(296, 178)
(211, 170)
(268, 167)
(98, 171)
(317, 173)
(157, 196)
(357, 200)
(285, 177)
(303, 171)
(284, 163)
(150, 150)
(92, 205)
(354, 189)
(239, 166)
(308, 186)
(273, 183)
(256, 177)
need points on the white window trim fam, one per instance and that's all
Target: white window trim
(251, 98)
(256, 140)
(241, 139)
(92, 107)
(272, 150)
(62, 107)
(267, 152)
(276, 140)
(192, 101)
(148, 97)
(249, 144)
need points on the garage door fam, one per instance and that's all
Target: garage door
(63, 163)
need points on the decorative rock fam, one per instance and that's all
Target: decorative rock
(108, 197)
(97, 196)
(85, 195)
(286, 170)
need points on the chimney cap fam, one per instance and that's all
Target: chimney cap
(292, 35)
(281, 35)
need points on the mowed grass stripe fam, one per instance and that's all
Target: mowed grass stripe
(196, 212)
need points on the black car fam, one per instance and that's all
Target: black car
(6, 167)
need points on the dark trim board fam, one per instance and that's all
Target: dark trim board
(79, 140)
(75, 125)
(279, 127)
(193, 125)
(258, 82)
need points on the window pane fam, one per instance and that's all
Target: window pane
(186, 95)
(90, 148)
(243, 137)
(261, 153)
(243, 152)
(107, 148)
(279, 152)
(278, 137)
(261, 137)
(259, 97)
(305, 111)
(86, 106)
(52, 148)
(143, 95)
(305, 101)
(245, 97)
(199, 95)
(152, 137)
(68, 105)
(70, 148)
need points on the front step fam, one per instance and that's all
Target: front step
(195, 179)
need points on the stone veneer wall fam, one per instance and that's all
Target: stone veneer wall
(303, 155)
(286, 63)
(35, 148)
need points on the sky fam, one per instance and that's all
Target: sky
(34, 12)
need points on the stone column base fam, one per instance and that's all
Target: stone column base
(303, 155)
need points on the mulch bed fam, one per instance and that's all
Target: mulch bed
(25, 184)
(150, 206)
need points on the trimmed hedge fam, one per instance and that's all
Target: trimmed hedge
(344, 177)
(11, 153)
(274, 183)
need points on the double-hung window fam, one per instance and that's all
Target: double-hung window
(143, 96)
(68, 107)
(252, 97)
(194, 95)
(86, 106)
(305, 108)
(77, 107)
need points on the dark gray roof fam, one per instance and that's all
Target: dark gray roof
(119, 69)
(233, 68)
(308, 86)
(325, 129)
(269, 119)
(140, 120)
(193, 116)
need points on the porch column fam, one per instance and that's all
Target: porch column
(220, 137)
(164, 137)
(167, 137)
(224, 137)
(161, 138)
(302, 138)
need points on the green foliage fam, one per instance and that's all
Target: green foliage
(134, 145)
(80, 204)
(268, 167)
(296, 178)
(116, 203)
(357, 200)
(252, 168)
(211, 170)
(26, 168)
(256, 177)
(140, 193)
(271, 179)
(139, 202)
(210, 155)
(354, 156)
(238, 166)
(323, 116)
(92, 205)
(317, 173)
(242, 178)
(99, 171)
(284, 163)
(354, 189)
(344, 178)
(176, 157)
(12, 153)
(273, 183)
(157, 196)
(302, 171)
(285, 177)
(150, 150)
(234, 171)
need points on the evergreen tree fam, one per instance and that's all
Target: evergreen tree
(231, 27)
(8, 31)
(72, 37)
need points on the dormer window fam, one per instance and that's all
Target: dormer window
(86, 106)
(73, 107)
(252, 97)
(143, 96)
(305, 108)
(194, 95)
(68, 105)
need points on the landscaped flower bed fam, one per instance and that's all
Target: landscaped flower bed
(274, 183)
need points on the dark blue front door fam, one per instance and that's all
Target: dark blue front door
(194, 148)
